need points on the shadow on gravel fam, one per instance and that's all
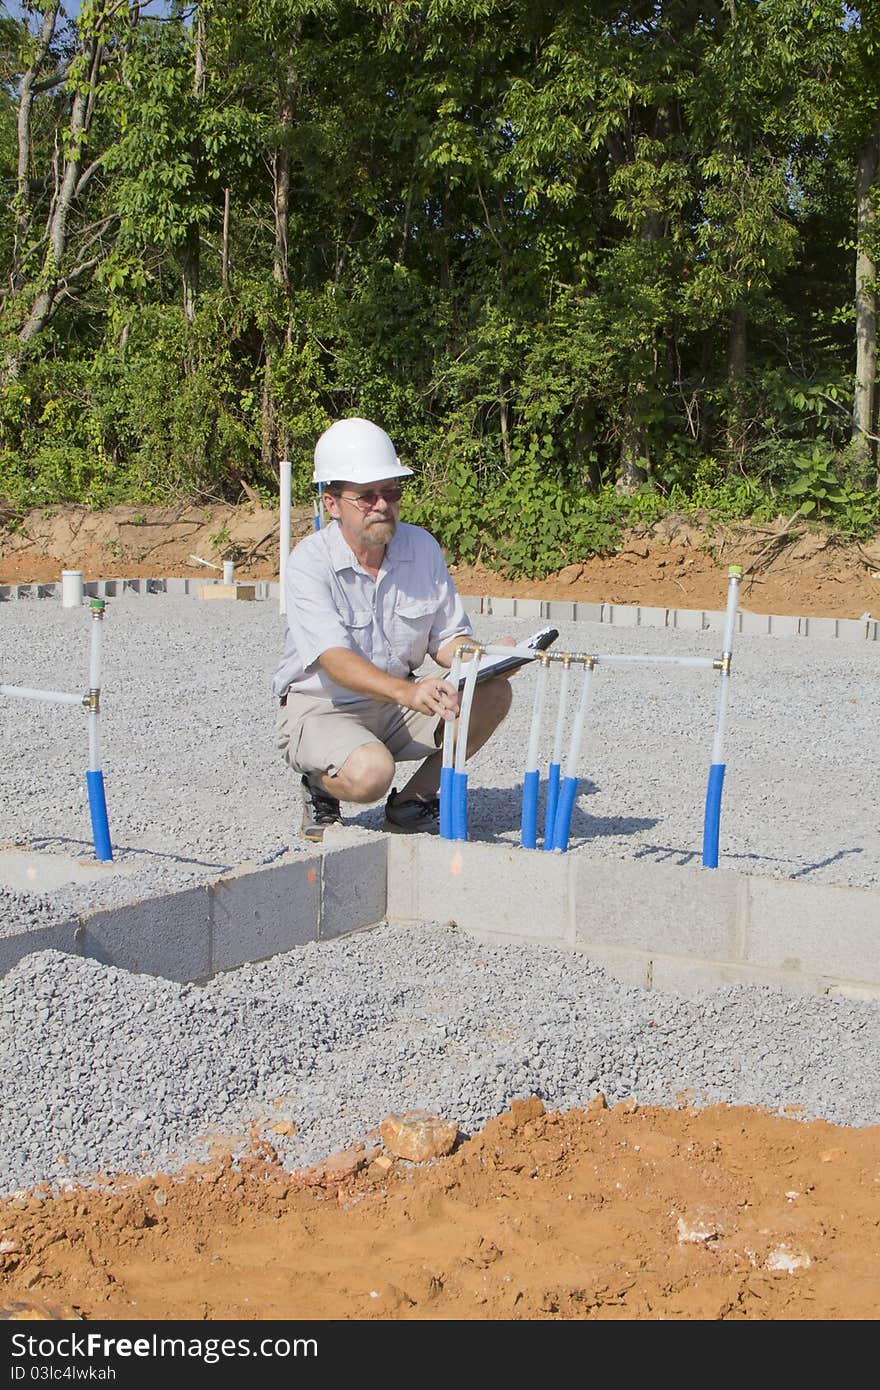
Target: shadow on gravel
(86, 847)
(659, 853)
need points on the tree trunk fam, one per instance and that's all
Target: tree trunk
(635, 464)
(865, 398)
(52, 278)
(189, 268)
(25, 108)
(224, 259)
(737, 361)
(281, 197)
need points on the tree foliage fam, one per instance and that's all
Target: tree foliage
(578, 258)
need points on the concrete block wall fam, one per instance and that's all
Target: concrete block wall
(552, 610)
(653, 925)
(657, 926)
(248, 915)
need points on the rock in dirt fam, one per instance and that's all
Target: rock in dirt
(418, 1135)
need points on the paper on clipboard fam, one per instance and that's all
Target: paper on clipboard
(518, 656)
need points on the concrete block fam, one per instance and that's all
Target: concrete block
(7, 593)
(819, 627)
(260, 913)
(110, 588)
(714, 621)
(754, 624)
(683, 975)
(687, 619)
(227, 591)
(176, 584)
(822, 929)
(655, 908)
(132, 586)
(402, 893)
(785, 625)
(873, 633)
(621, 614)
(155, 586)
(529, 608)
(62, 937)
(653, 617)
(473, 603)
(628, 967)
(495, 890)
(168, 936)
(48, 591)
(24, 591)
(588, 612)
(859, 993)
(354, 887)
(560, 611)
(852, 629)
(501, 607)
(91, 588)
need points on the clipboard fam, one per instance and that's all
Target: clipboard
(499, 665)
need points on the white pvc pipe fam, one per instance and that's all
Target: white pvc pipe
(95, 654)
(71, 588)
(22, 692)
(284, 477)
(449, 725)
(537, 717)
(577, 732)
(95, 688)
(621, 659)
(467, 699)
(94, 742)
(724, 682)
(560, 714)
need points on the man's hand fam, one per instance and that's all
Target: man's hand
(434, 695)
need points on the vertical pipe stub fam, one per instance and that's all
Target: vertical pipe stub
(71, 588)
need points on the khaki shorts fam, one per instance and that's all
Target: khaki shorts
(317, 736)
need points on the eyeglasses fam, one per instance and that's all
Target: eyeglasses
(366, 501)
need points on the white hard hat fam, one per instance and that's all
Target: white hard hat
(356, 451)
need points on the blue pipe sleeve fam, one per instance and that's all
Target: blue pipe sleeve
(529, 833)
(552, 802)
(712, 818)
(446, 776)
(459, 805)
(562, 824)
(98, 813)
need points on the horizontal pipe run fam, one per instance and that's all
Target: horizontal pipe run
(591, 658)
(59, 697)
(622, 659)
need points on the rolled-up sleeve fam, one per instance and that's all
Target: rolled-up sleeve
(312, 612)
(450, 620)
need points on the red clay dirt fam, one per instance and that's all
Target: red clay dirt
(788, 568)
(593, 1214)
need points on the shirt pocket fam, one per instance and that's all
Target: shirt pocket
(410, 629)
(358, 623)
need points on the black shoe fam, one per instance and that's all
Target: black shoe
(319, 811)
(412, 817)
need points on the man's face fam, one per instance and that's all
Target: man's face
(367, 513)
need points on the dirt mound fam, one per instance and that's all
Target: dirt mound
(676, 563)
(593, 1214)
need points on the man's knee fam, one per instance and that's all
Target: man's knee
(366, 774)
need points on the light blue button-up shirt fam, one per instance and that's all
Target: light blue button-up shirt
(407, 613)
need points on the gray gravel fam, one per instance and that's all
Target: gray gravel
(109, 1071)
